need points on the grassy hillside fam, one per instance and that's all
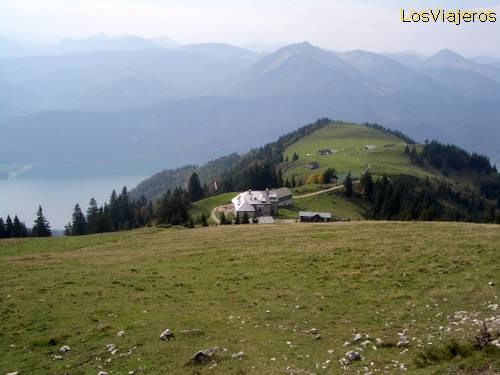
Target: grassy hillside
(349, 141)
(256, 289)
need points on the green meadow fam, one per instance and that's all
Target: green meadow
(291, 297)
(349, 143)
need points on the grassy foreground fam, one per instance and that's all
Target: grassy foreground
(256, 289)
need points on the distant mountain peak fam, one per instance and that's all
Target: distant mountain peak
(445, 57)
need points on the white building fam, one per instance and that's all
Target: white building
(261, 203)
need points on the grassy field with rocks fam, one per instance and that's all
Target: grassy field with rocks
(359, 297)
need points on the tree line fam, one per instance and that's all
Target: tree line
(405, 197)
(123, 213)
(17, 229)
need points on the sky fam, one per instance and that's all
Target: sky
(339, 25)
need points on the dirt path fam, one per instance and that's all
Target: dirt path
(213, 215)
(337, 187)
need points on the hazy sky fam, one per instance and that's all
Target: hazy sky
(341, 25)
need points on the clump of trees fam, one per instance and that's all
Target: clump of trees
(448, 158)
(120, 213)
(325, 177)
(13, 228)
(412, 198)
(17, 229)
(173, 207)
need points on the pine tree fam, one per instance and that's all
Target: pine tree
(279, 178)
(16, 228)
(348, 189)
(293, 183)
(41, 228)
(237, 220)
(9, 227)
(328, 175)
(3, 232)
(295, 156)
(203, 220)
(78, 223)
(113, 211)
(93, 217)
(407, 149)
(190, 223)
(367, 185)
(194, 188)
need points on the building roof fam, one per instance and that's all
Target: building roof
(282, 192)
(324, 215)
(244, 202)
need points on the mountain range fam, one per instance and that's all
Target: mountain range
(155, 107)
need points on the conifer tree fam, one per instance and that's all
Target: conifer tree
(3, 233)
(194, 188)
(279, 178)
(16, 228)
(78, 223)
(93, 217)
(367, 185)
(348, 189)
(9, 227)
(41, 228)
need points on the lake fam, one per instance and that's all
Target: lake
(57, 196)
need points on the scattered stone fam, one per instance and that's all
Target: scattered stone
(491, 283)
(403, 339)
(166, 335)
(13, 373)
(357, 337)
(203, 356)
(121, 333)
(314, 331)
(58, 357)
(65, 348)
(496, 343)
(239, 355)
(102, 373)
(365, 343)
(350, 357)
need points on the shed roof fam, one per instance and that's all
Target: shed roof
(282, 192)
(324, 215)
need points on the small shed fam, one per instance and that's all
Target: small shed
(325, 152)
(312, 165)
(265, 220)
(314, 217)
